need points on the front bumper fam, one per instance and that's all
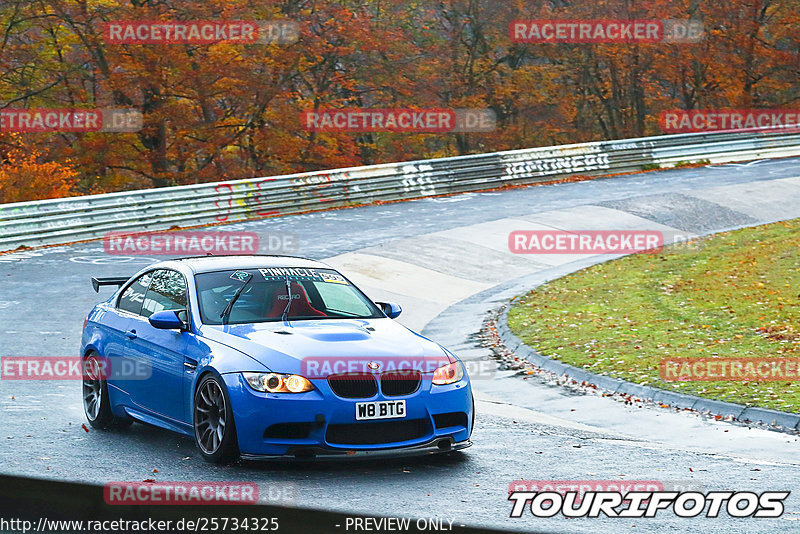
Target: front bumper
(323, 415)
(436, 446)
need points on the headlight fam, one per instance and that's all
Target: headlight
(448, 374)
(277, 383)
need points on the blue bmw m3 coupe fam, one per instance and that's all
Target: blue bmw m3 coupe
(269, 356)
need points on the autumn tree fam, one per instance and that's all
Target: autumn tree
(223, 110)
(25, 176)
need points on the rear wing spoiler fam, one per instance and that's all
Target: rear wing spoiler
(111, 281)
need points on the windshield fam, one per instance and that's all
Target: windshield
(264, 296)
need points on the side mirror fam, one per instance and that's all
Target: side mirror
(391, 309)
(167, 320)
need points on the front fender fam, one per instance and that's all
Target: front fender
(224, 359)
(212, 357)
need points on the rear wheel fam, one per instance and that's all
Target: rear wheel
(214, 431)
(96, 404)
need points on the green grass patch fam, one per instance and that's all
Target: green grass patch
(735, 294)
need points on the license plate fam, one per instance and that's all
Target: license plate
(380, 410)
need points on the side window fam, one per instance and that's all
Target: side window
(132, 298)
(167, 292)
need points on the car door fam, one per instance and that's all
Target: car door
(162, 350)
(124, 373)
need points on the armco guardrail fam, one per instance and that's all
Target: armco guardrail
(72, 219)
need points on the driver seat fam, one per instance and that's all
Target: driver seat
(301, 306)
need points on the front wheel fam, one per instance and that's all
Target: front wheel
(214, 431)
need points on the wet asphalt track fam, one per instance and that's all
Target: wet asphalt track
(524, 429)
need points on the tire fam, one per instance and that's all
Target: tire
(96, 404)
(214, 429)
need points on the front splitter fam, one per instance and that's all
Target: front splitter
(435, 446)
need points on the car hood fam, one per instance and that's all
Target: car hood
(286, 348)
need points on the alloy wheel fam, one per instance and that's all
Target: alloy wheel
(92, 388)
(209, 417)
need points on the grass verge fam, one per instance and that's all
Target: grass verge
(734, 294)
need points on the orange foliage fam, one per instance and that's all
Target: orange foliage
(24, 177)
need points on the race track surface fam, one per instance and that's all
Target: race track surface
(446, 261)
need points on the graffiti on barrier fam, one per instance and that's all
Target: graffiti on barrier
(251, 197)
(418, 180)
(549, 162)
